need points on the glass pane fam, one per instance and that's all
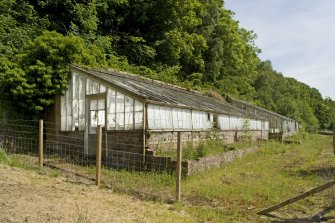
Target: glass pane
(120, 120)
(138, 106)
(82, 125)
(188, 119)
(94, 119)
(193, 120)
(157, 117)
(183, 119)
(95, 88)
(75, 87)
(111, 92)
(129, 112)
(82, 92)
(101, 118)
(151, 114)
(93, 105)
(69, 123)
(111, 121)
(63, 106)
(119, 102)
(180, 119)
(157, 124)
(139, 120)
(129, 120)
(169, 118)
(68, 102)
(111, 103)
(252, 123)
(75, 109)
(225, 122)
(82, 108)
(101, 104)
(175, 118)
(163, 118)
(88, 87)
(63, 123)
(204, 120)
(102, 88)
(151, 123)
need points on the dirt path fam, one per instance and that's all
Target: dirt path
(26, 196)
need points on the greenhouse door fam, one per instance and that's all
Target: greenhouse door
(96, 116)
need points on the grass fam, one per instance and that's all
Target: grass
(144, 185)
(25, 162)
(237, 190)
(256, 181)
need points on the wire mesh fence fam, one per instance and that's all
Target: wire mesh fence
(124, 166)
(74, 153)
(20, 137)
(123, 162)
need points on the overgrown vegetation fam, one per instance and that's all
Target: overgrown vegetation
(205, 148)
(237, 190)
(24, 162)
(251, 179)
(195, 44)
(234, 192)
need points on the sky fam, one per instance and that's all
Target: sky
(297, 36)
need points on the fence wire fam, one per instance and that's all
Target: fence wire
(124, 167)
(20, 137)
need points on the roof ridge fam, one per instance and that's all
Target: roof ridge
(131, 75)
(166, 93)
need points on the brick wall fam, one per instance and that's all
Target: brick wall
(67, 145)
(124, 149)
(128, 141)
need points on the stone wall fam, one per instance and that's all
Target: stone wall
(168, 140)
(195, 166)
(191, 167)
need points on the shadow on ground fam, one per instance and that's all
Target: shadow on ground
(325, 172)
(319, 217)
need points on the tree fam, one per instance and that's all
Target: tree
(231, 57)
(42, 69)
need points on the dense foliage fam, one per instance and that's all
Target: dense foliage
(194, 43)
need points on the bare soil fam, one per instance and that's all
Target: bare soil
(27, 196)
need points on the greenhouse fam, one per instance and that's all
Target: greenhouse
(130, 107)
(277, 123)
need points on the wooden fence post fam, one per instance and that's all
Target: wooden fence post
(178, 167)
(98, 155)
(40, 143)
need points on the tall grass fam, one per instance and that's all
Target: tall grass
(24, 162)
(235, 191)
(144, 185)
(276, 172)
(209, 147)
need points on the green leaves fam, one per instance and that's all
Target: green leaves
(41, 70)
(194, 43)
(182, 48)
(292, 98)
